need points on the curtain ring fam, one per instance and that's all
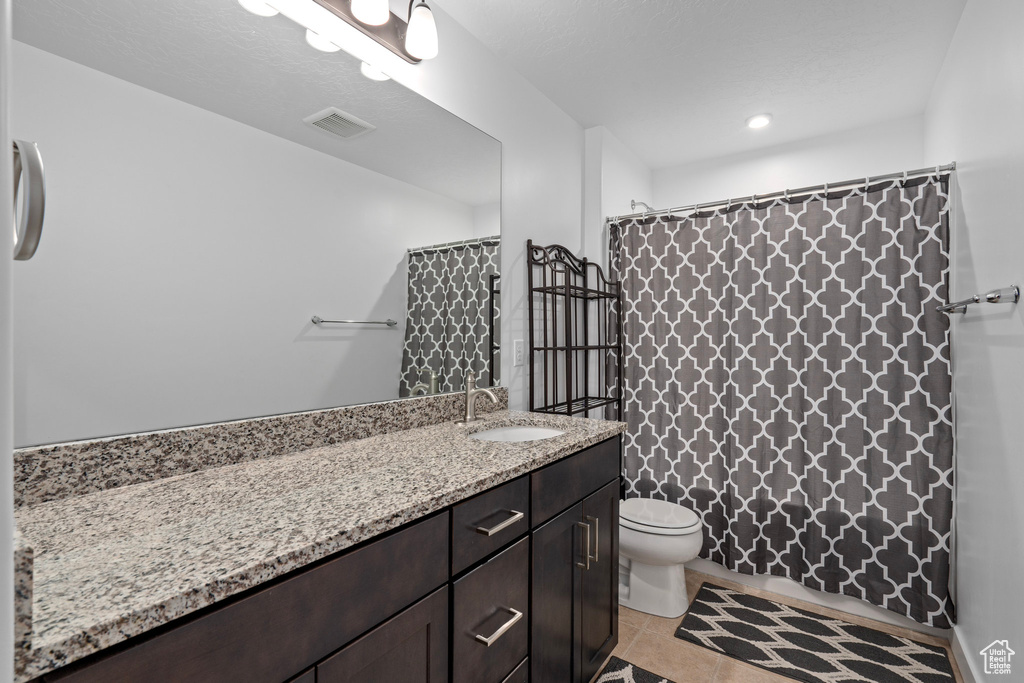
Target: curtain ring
(826, 190)
(904, 182)
(938, 169)
(785, 195)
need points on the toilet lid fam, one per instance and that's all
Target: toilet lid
(657, 513)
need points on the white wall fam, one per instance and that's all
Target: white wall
(487, 220)
(183, 256)
(975, 116)
(541, 157)
(613, 176)
(873, 150)
(6, 354)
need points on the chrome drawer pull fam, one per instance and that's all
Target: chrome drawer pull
(597, 539)
(516, 516)
(586, 551)
(516, 616)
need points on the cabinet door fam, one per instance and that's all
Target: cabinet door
(600, 581)
(411, 647)
(555, 600)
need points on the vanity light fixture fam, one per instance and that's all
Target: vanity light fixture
(421, 39)
(413, 41)
(759, 121)
(319, 42)
(371, 12)
(258, 7)
(373, 73)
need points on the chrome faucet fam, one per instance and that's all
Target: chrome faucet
(471, 394)
(428, 390)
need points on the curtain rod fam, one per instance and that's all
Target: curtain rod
(846, 184)
(495, 239)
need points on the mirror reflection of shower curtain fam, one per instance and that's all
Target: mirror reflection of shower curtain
(452, 324)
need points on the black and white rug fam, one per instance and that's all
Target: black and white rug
(620, 671)
(804, 645)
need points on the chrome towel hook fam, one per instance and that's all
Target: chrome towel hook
(29, 177)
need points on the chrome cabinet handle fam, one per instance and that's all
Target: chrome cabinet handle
(516, 616)
(28, 174)
(516, 516)
(586, 552)
(597, 539)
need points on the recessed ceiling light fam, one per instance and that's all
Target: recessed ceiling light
(759, 120)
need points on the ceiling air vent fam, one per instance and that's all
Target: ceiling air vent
(339, 123)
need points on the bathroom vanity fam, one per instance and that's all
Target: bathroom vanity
(418, 555)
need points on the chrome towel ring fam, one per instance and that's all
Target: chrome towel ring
(29, 177)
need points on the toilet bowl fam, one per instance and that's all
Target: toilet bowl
(655, 539)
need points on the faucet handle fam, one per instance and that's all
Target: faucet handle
(470, 380)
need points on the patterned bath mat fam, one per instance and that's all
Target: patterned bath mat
(804, 645)
(619, 671)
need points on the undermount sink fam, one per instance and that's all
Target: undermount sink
(516, 433)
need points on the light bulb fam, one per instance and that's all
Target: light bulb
(421, 37)
(759, 121)
(319, 42)
(258, 7)
(372, 12)
(373, 73)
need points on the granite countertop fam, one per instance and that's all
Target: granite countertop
(113, 564)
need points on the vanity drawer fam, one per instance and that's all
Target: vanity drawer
(558, 486)
(489, 521)
(486, 604)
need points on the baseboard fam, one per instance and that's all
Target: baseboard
(964, 661)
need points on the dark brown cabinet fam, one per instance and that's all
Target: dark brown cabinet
(411, 647)
(517, 583)
(599, 619)
(574, 567)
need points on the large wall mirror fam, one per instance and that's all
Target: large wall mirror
(196, 222)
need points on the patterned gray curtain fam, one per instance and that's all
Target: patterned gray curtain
(788, 377)
(453, 314)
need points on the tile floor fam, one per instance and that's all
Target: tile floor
(650, 642)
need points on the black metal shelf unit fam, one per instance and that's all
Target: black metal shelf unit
(575, 335)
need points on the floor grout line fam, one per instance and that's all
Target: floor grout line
(714, 674)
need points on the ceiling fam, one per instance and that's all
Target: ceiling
(675, 80)
(260, 71)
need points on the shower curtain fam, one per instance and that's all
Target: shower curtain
(788, 378)
(452, 319)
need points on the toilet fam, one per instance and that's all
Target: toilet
(655, 539)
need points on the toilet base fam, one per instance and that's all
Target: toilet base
(657, 590)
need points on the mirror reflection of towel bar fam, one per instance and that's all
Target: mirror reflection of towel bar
(317, 320)
(1006, 295)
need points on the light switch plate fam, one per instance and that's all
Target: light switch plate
(517, 352)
